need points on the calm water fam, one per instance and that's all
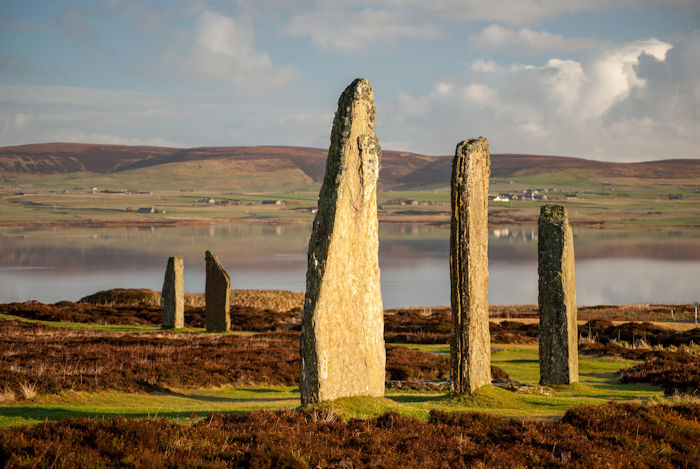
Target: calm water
(612, 267)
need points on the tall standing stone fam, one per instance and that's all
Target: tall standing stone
(342, 338)
(216, 295)
(558, 329)
(470, 342)
(173, 295)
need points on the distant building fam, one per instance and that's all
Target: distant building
(149, 210)
(675, 196)
(270, 202)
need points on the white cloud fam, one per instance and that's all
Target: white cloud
(344, 30)
(222, 50)
(518, 12)
(498, 37)
(54, 113)
(632, 101)
(612, 74)
(484, 66)
(34, 114)
(344, 26)
(20, 120)
(479, 94)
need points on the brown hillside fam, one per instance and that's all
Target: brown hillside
(311, 161)
(399, 169)
(504, 165)
(438, 170)
(49, 158)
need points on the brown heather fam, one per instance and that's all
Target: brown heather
(56, 359)
(609, 435)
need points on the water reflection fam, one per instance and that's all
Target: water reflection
(51, 264)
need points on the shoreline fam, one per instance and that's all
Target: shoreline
(437, 221)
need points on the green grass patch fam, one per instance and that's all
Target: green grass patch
(596, 373)
(181, 405)
(598, 385)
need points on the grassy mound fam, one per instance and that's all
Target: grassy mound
(123, 296)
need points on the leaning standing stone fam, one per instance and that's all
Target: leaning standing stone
(342, 338)
(173, 295)
(218, 286)
(470, 342)
(557, 298)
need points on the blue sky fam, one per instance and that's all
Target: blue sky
(615, 80)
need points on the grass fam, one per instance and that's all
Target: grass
(179, 405)
(598, 385)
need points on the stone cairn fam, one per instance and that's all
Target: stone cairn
(173, 295)
(558, 329)
(342, 337)
(216, 295)
(470, 342)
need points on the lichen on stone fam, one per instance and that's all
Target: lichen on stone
(342, 343)
(470, 349)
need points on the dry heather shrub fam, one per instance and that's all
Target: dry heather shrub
(607, 435)
(274, 300)
(7, 395)
(28, 390)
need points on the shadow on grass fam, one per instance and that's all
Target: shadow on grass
(415, 399)
(56, 413)
(599, 378)
(205, 398)
(270, 390)
(519, 360)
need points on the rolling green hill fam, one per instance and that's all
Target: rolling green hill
(285, 169)
(80, 183)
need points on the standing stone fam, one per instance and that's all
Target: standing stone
(470, 342)
(557, 298)
(216, 295)
(342, 337)
(173, 295)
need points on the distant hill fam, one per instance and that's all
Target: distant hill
(51, 158)
(400, 170)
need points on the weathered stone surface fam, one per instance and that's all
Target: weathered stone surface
(470, 343)
(558, 329)
(173, 295)
(216, 295)
(342, 342)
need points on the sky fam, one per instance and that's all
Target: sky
(612, 80)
